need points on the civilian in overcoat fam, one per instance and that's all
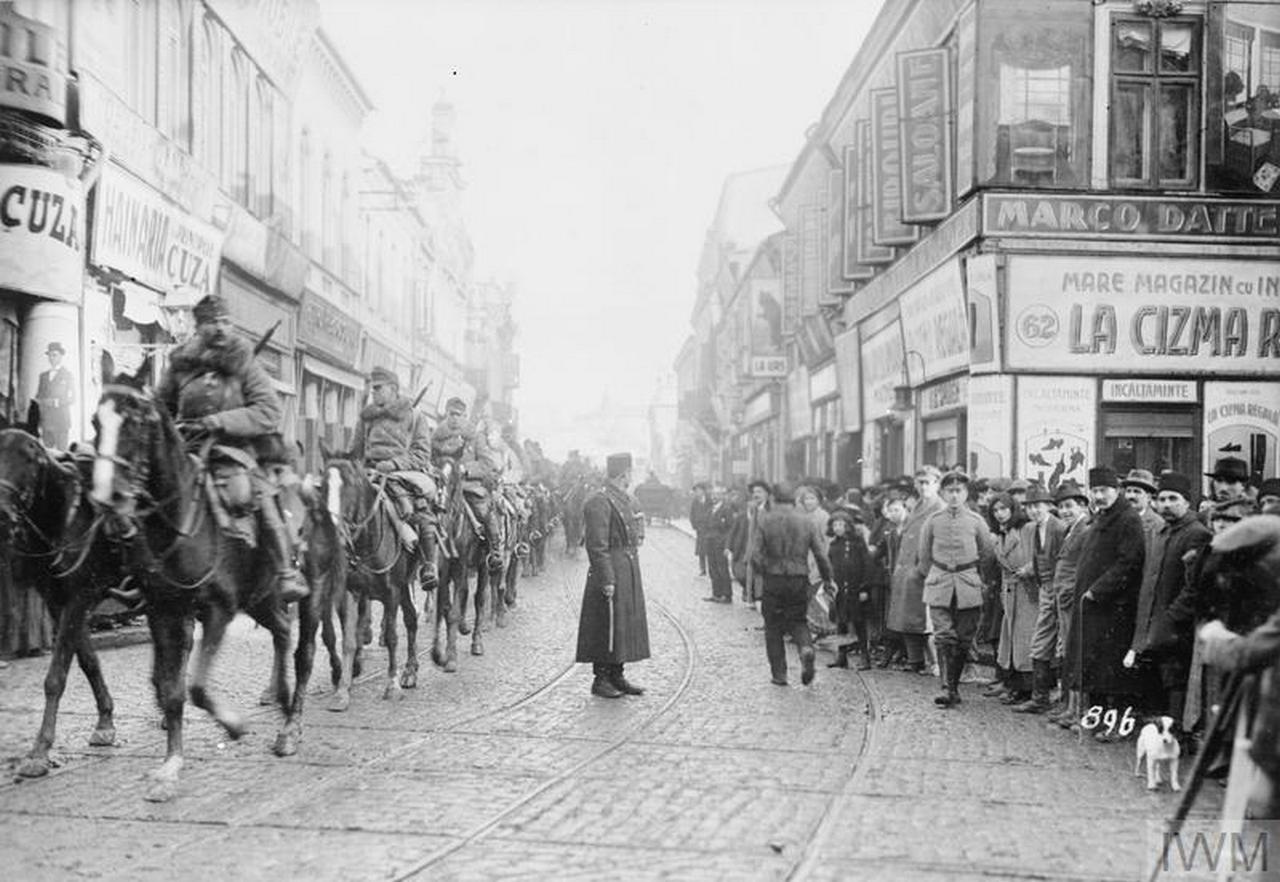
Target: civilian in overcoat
(906, 587)
(613, 578)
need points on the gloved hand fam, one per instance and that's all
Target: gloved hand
(1130, 659)
(608, 591)
(210, 423)
(385, 466)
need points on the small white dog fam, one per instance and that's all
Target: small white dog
(1159, 746)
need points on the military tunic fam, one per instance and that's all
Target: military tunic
(611, 540)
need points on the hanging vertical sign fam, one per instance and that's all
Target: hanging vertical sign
(790, 283)
(811, 248)
(851, 228)
(887, 227)
(869, 253)
(837, 284)
(924, 98)
(966, 79)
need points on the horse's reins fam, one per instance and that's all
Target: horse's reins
(352, 534)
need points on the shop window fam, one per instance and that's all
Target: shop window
(1156, 440)
(1034, 95)
(1155, 109)
(942, 443)
(1243, 95)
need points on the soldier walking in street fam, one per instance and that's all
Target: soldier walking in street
(613, 628)
(788, 537)
(954, 543)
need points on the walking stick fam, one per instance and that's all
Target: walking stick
(1223, 723)
(610, 599)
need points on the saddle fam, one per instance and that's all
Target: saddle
(229, 484)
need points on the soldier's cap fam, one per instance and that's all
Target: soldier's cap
(210, 308)
(1229, 468)
(1140, 478)
(455, 403)
(954, 477)
(617, 464)
(1070, 490)
(1174, 482)
(999, 485)
(55, 346)
(928, 471)
(1269, 487)
(382, 376)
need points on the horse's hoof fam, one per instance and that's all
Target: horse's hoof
(409, 680)
(286, 745)
(340, 702)
(161, 790)
(437, 658)
(477, 648)
(392, 691)
(103, 738)
(357, 668)
(502, 619)
(33, 767)
(235, 728)
(267, 697)
(451, 664)
(464, 628)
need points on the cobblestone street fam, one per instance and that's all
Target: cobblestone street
(510, 769)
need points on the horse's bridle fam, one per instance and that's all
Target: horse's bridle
(351, 532)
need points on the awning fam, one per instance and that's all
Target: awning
(342, 377)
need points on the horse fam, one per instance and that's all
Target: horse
(572, 500)
(463, 550)
(378, 567)
(188, 569)
(537, 526)
(54, 542)
(495, 581)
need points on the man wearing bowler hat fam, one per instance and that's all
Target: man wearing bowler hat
(613, 628)
(1230, 479)
(1167, 654)
(55, 395)
(955, 543)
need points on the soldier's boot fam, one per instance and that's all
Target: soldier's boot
(493, 526)
(1041, 685)
(602, 685)
(275, 541)
(864, 647)
(405, 526)
(427, 547)
(945, 696)
(959, 656)
(621, 683)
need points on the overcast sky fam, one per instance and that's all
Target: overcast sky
(595, 136)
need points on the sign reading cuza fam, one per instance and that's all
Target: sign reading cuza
(768, 366)
(33, 67)
(924, 100)
(140, 234)
(1176, 218)
(1133, 316)
(41, 232)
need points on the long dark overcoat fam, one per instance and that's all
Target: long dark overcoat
(611, 539)
(906, 585)
(1101, 629)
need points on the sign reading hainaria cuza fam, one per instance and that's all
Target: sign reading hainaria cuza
(924, 99)
(139, 233)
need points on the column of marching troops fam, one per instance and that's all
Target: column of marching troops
(1101, 607)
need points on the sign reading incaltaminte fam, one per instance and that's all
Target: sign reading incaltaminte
(137, 232)
(1143, 315)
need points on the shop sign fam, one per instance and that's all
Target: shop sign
(851, 233)
(1143, 315)
(924, 101)
(849, 369)
(822, 382)
(944, 396)
(768, 366)
(990, 425)
(1184, 218)
(868, 253)
(812, 233)
(324, 328)
(983, 299)
(257, 312)
(790, 282)
(935, 324)
(835, 221)
(1150, 391)
(758, 408)
(1242, 420)
(799, 414)
(376, 354)
(886, 188)
(140, 234)
(881, 369)
(1057, 419)
(41, 232)
(33, 67)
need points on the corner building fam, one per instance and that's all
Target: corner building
(1046, 234)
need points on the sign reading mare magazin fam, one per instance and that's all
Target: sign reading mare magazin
(1143, 315)
(139, 233)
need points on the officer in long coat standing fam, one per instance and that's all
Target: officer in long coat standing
(612, 629)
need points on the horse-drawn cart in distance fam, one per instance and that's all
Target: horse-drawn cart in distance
(657, 501)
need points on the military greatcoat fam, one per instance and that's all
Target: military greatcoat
(611, 539)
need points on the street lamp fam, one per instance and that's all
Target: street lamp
(902, 398)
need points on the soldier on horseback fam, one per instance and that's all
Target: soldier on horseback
(462, 450)
(392, 439)
(214, 383)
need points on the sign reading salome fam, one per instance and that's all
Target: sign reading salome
(139, 233)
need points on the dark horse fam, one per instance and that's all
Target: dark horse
(188, 569)
(54, 542)
(463, 550)
(572, 500)
(379, 568)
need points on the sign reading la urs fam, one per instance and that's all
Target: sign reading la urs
(1131, 217)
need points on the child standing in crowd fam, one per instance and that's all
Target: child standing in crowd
(850, 566)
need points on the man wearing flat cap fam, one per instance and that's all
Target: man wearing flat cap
(214, 382)
(392, 439)
(1107, 583)
(1139, 488)
(55, 394)
(613, 629)
(1167, 656)
(955, 543)
(1042, 536)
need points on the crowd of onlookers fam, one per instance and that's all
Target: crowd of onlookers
(1083, 598)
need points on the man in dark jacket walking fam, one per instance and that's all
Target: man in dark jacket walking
(1163, 577)
(715, 535)
(612, 628)
(1107, 583)
(787, 538)
(699, 508)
